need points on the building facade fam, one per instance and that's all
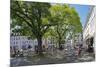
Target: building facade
(18, 42)
(76, 41)
(21, 42)
(90, 29)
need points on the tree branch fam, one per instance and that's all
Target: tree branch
(27, 22)
(45, 27)
(22, 12)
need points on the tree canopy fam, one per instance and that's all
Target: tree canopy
(67, 20)
(36, 19)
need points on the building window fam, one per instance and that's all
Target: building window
(19, 38)
(16, 42)
(24, 47)
(16, 38)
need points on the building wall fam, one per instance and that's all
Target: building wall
(77, 41)
(20, 41)
(90, 26)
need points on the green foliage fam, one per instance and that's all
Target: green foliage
(67, 20)
(43, 19)
(31, 16)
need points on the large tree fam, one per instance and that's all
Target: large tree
(68, 22)
(32, 17)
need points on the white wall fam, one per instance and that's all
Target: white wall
(89, 30)
(20, 41)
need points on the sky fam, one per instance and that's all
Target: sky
(83, 11)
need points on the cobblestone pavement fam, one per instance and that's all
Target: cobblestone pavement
(86, 57)
(53, 58)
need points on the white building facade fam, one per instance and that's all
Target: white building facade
(90, 27)
(19, 42)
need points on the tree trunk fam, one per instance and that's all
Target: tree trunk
(39, 45)
(59, 43)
